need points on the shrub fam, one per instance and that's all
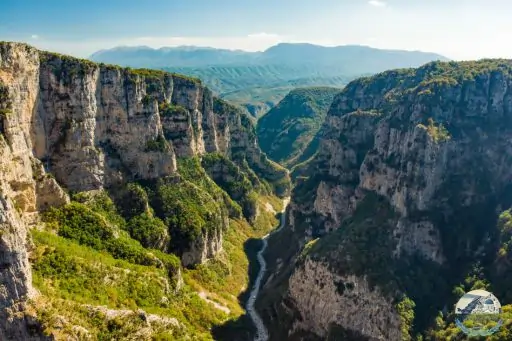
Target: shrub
(76, 221)
(150, 231)
(159, 144)
(133, 201)
(169, 110)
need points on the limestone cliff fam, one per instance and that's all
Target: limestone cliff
(73, 124)
(413, 168)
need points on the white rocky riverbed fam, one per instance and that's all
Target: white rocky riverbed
(261, 330)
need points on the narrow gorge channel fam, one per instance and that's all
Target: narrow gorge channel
(261, 330)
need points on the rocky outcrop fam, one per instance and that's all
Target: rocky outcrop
(205, 247)
(432, 143)
(340, 301)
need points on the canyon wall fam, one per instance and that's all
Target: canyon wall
(413, 170)
(70, 125)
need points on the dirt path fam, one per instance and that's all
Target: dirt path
(219, 306)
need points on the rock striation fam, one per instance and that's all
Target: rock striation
(412, 172)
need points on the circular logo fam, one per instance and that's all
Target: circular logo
(478, 313)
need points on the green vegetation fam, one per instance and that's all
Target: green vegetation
(79, 223)
(225, 277)
(132, 200)
(74, 279)
(438, 133)
(191, 170)
(261, 171)
(405, 309)
(189, 212)
(150, 231)
(159, 144)
(5, 103)
(446, 329)
(289, 129)
(170, 110)
(232, 179)
(89, 255)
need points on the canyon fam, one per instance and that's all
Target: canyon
(131, 201)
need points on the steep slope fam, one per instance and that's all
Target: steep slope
(288, 129)
(259, 80)
(127, 168)
(399, 214)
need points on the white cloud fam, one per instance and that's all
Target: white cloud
(34, 36)
(377, 3)
(263, 35)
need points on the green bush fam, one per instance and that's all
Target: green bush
(133, 201)
(158, 144)
(170, 110)
(233, 180)
(188, 211)
(76, 221)
(101, 203)
(150, 231)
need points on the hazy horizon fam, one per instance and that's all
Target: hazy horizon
(471, 29)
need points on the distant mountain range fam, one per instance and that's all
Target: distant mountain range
(259, 80)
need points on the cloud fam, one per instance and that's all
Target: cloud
(377, 3)
(34, 36)
(263, 35)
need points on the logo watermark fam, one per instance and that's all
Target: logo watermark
(478, 313)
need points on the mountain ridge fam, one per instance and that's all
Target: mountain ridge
(253, 56)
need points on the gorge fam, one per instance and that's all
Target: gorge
(132, 202)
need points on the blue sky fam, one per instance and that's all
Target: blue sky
(459, 29)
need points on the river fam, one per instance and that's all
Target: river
(261, 330)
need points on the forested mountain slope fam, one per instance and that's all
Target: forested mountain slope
(288, 132)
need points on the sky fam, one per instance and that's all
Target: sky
(457, 29)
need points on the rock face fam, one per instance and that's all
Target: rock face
(24, 187)
(331, 304)
(95, 126)
(413, 168)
